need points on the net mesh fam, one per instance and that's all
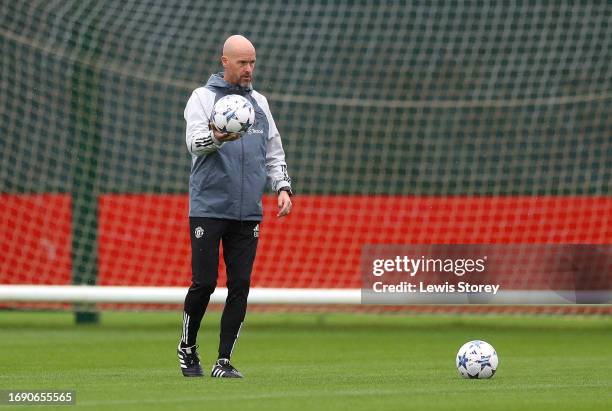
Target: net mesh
(402, 122)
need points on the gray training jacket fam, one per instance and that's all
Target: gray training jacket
(228, 179)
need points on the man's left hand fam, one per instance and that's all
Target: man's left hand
(284, 204)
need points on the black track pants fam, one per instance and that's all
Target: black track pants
(239, 239)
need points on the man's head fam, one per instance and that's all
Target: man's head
(238, 60)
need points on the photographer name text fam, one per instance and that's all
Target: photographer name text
(421, 287)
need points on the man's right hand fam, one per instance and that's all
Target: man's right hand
(224, 137)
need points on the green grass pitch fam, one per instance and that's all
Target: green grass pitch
(312, 362)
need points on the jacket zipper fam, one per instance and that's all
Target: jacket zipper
(241, 177)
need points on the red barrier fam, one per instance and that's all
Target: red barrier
(143, 239)
(35, 239)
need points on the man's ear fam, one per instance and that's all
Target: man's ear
(224, 60)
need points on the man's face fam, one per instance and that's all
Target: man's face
(239, 66)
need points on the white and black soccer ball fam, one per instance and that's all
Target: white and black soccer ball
(477, 359)
(233, 114)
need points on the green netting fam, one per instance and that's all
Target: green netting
(371, 97)
(455, 100)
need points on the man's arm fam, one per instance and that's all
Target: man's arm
(277, 174)
(276, 167)
(201, 137)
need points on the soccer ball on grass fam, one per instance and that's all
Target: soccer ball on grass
(233, 114)
(477, 359)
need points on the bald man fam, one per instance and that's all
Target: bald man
(229, 172)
